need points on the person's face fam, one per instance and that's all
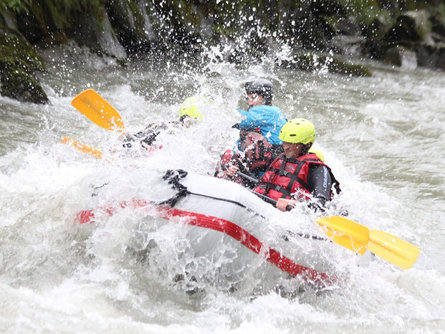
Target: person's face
(292, 151)
(254, 100)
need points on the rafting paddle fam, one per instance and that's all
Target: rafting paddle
(392, 249)
(346, 233)
(342, 231)
(357, 238)
(82, 147)
(98, 110)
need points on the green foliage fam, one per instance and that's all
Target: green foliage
(365, 10)
(58, 8)
(18, 63)
(16, 50)
(17, 6)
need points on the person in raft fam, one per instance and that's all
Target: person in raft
(297, 174)
(258, 144)
(188, 113)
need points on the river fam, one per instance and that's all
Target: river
(383, 137)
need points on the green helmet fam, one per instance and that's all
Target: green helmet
(298, 130)
(190, 108)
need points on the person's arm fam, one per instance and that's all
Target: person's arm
(253, 120)
(320, 183)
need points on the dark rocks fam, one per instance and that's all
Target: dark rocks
(18, 65)
(431, 56)
(94, 30)
(400, 56)
(131, 24)
(410, 27)
(324, 64)
(397, 32)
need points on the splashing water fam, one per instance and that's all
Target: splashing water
(382, 136)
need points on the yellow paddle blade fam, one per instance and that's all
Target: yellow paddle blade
(346, 233)
(82, 147)
(98, 110)
(392, 249)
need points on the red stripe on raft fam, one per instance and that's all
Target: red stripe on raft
(226, 227)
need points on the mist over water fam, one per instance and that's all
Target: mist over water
(382, 136)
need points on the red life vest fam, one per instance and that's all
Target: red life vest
(286, 177)
(256, 155)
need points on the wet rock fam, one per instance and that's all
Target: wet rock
(438, 28)
(306, 25)
(321, 63)
(18, 65)
(22, 86)
(180, 26)
(375, 32)
(431, 56)
(132, 25)
(346, 44)
(94, 30)
(401, 57)
(412, 26)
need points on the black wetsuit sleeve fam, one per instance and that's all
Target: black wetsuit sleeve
(320, 182)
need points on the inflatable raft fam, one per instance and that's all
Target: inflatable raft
(232, 228)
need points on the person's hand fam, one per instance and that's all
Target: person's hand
(317, 204)
(283, 203)
(231, 171)
(149, 148)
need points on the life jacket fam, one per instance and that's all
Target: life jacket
(258, 151)
(230, 158)
(287, 177)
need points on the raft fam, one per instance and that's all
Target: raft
(232, 228)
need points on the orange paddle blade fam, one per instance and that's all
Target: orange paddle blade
(98, 110)
(82, 147)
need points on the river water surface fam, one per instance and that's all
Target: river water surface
(383, 137)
